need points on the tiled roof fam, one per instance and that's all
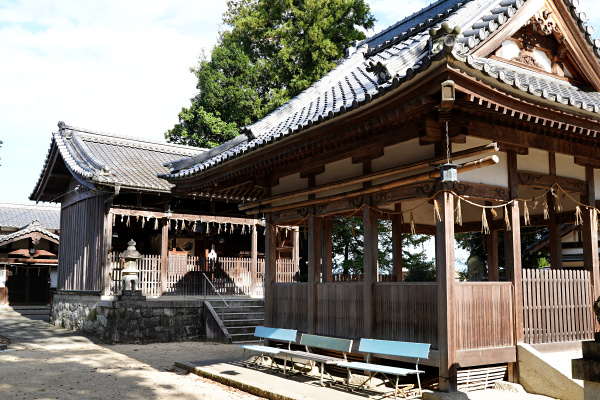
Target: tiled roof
(110, 160)
(538, 84)
(34, 226)
(405, 49)
(21, 215)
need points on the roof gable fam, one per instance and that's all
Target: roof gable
(107, 160)
(548, 36)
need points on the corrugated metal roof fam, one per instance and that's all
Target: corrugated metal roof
(21, 215)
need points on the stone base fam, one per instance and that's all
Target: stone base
(131, 295)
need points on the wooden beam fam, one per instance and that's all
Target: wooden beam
(370, 271)
(254, 260)
(447, 321)
(315, 240)
(492, 147)
(397, 243)
(270, 271)
(188, 217)
(469, 166)
(328, 251)
(512, 242)
(590, 233)
(545, 181)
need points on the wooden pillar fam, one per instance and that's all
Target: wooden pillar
(106, 280)
(554, 236)
(370, 271)
(253, 260)
(397, 244)
(164, 255)
(590, 232)
(446, 276)
(512, 241)
(492, 248)
(315, 246)
(270, 272)
(327, 251)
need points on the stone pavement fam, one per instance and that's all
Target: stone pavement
(46, 362)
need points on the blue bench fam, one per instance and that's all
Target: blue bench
(386, 347)
(262, 332)
(321, 342)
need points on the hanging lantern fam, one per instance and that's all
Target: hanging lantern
(448, 172)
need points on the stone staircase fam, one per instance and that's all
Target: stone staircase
(241, 317)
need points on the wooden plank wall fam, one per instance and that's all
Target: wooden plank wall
(291, 300)
(81, 253)
(407, 312)
(484, 314)
(557, 306)
(340, 310)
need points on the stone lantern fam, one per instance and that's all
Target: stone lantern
(130, 280)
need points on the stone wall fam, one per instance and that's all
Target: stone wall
(114, 321)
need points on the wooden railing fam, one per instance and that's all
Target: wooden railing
(407, 312)
(360, 278)
(229, 275)
(557, 306)
(484, 312)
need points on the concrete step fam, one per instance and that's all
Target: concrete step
(245, 330)
(232, 323)
(239, 310)
(242, 338)
(227, 316)
(238, 303)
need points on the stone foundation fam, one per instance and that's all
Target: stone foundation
(127, 321)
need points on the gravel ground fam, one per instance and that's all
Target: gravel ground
(46, 362)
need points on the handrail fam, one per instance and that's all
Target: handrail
(218, 294)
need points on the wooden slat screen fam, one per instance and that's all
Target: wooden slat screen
(557, 306)
(484, 312)
(291, 300)
(340, 310)
(406, 312)
(81, 247)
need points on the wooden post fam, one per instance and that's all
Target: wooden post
(446, 276)
(315, 232)
(296, 244)
(512, 241)
(270, 271)
(590, 233)
(253, 260)
(164, 255)
(106, 280)
(370, 270)
(327, 251)
(492, 248)
(397, 244)
(554, 241)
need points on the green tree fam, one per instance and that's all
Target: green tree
(270, 51)
(475, 243)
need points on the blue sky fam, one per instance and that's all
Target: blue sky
(111, 65)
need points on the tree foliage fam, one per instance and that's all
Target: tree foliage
(475, 243)
(270, 51)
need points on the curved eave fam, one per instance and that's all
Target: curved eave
(392, 86)
(542, 98)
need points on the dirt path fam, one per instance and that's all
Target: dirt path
(46, 362)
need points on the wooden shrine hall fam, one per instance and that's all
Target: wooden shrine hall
(110, 193)
(502, 93)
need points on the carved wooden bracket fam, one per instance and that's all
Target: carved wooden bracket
(544, 181)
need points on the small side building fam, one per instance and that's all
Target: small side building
(28, 253)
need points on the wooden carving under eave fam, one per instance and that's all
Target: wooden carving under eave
(544, 181)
